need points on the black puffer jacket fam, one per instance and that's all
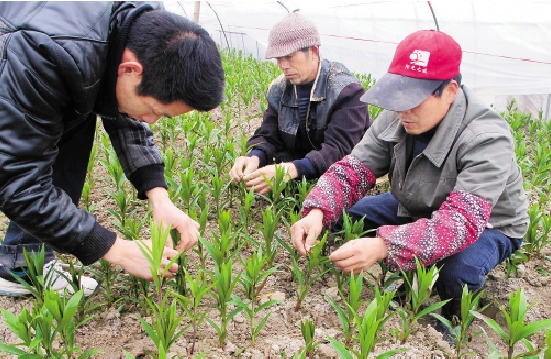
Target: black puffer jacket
(58, 64)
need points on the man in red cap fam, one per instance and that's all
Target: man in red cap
(456, 195)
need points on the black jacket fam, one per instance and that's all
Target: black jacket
(58, 64)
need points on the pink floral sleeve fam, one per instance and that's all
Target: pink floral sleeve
(344, 183)
(455, 225)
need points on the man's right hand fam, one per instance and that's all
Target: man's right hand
(127, 254)
(243, 166)
(305, 232)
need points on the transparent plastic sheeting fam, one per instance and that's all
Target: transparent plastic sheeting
(506, 44)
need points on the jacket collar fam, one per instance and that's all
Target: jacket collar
(106, 104)
(445, 135)
(319, 88)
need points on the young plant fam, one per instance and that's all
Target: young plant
(514, 260)
(35, 274)
(123, 198)
(180, 276)
(459, 326)
(164, 322)
(107, 277)
(202, 219)
(353, 302)
(307, 277)
(246, 209)
(539, 230)
(47, 324)
(222, 246)
(308, 330)
(189, 187)
(221, 249)
(217, 189)
(420, 287)
(198, 287)
(517, 330)
(277, 184)
(85, 305)
(225, 283)
(369, 326)
(252, 280)
(267, 228)
(295, 255)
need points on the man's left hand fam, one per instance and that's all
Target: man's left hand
(166, 212)
(359, 254)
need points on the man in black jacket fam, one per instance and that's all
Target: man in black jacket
(62, 65)
(314, 115)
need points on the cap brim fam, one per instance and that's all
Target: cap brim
(399, 93)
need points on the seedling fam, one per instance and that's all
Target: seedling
(308, 330)
(352, 305)
(516, 330)
(164, 322)
(369, 326)
(48, 323)
(225, 283)
(459, 326)
(307, 276)
(267, 228)
(198, 288)
(420, 287)
(251, 280)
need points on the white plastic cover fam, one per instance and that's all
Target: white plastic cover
(506, 44)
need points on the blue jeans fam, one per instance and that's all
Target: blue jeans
(69, 174)
(469, 266)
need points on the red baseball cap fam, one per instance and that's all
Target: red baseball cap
(423, 60)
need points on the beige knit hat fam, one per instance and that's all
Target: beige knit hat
(291, 34)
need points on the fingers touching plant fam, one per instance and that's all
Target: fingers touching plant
(306, 277)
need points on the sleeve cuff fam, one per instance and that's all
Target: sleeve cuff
(261, 155)
(148, 177)
(95, 245)
(305, 168)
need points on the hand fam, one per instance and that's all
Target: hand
(305, 232)
(257, 179)
(166, 212)
(359, 254)
(243, 166)
(127, 254)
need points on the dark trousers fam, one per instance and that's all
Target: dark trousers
(69, 174)
(469, 266)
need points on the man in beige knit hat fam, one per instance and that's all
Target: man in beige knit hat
(314, 115)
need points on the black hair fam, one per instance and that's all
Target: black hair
(180, 60)
(440, 89)
(305, 49)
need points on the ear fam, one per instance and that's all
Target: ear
(129, 64)
(315, 50)
(451, 91)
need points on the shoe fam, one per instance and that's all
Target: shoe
(447, 334)
(452, 312)
(56, 278)
(400, 295)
